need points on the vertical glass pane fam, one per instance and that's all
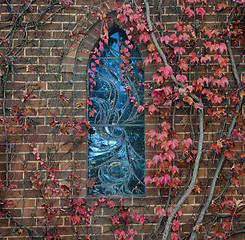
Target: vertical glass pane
(116, 143)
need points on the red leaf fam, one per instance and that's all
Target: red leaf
(78, 201)
(162, 136)
(181, 78)
(221, 234)
(122, 17)
(141, 26)
(32, 95)
(209, 45)
(229, 154)
(174, 38)
(131, 232)
(194, 58)
(219, 72)
(166, 126)
(114, 219)
(174, 169)
(74, 219)
(148, 180)
(159, 24)
(204, 59)
(165, 145)
(228, 202)
(201, 10)
(158, 79)
(152, 133)
(138, 218)
(8, 203)
(124, 212)
(165, 179)
(178, 26)
(170, 209)
(158, 158)
(220, 82)
(216, 148)
(160, 212)
(221, 5)
(176, 225)
(142, 219)
(81, 210)
(120, 234)
(153, 109)
(91, 182)
(163, 166)
(222, 48)
(179, 50)
(226, 224)
(238, 167)
(111, 204)
(144, 37)
(53, 169)
(140, 108)
(184, 37)
(189, 11)
(183, 65)
(188, 28)
(173, 143)
(169, 156)
(166, 71)
(187, 143)
(165, 39)
(92, 112)
(174, 236)
(175, 182)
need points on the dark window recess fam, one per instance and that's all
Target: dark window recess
(116, 141)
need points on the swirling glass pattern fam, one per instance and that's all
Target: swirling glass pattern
(116, 142)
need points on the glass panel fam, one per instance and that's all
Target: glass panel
(116, 142)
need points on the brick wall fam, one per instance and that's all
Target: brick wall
(54, 64)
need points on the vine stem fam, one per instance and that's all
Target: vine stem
(163, 56)
(222, 158)
(216, 175)
(201, 129)
(193, 180)
(24, 226)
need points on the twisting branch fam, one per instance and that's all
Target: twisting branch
(193, 180)
(163, 56)
(236, 233)
(233, 64)
(222, 158)
(200, 141)
(31, 230)
(217, 172)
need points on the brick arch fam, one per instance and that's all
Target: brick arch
(80, 47)
(76, 63)
(90, 31)
(90, 26)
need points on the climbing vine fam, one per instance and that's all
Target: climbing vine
(196, 75)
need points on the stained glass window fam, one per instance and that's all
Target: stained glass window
(116, 142)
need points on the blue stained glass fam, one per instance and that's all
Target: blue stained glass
(116, 142)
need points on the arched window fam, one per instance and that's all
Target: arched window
(116, 141)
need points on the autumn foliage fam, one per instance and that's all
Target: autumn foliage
(196, 77)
